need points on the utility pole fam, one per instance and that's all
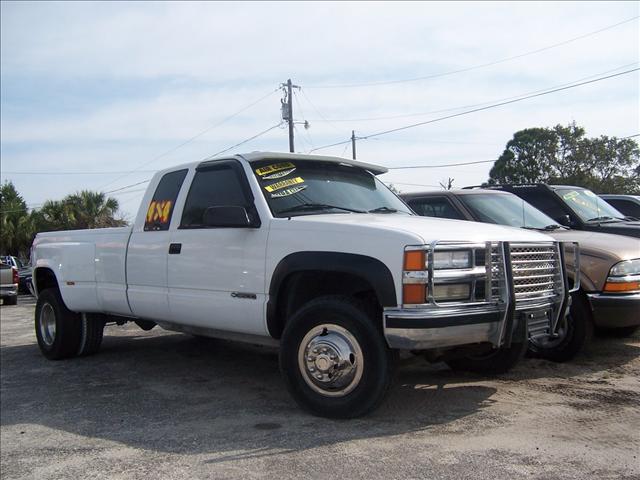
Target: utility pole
(353, 144)
(290, 98)
(287, 109)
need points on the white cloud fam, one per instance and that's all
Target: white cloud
(195, 63)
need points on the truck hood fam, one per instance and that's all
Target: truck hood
(602, 245)
(631, 229)
(427, 229)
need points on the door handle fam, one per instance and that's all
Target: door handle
(175, 248)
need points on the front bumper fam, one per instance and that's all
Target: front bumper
(424, 330)
(614, 311)
(507, 311)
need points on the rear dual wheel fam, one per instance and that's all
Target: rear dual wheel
(62, 333)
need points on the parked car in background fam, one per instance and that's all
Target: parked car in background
(8, 284)
(574, 207)
(24, 272)
(609, 295)
(626, 204)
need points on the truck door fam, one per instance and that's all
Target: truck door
(216, 272)
(148, 251)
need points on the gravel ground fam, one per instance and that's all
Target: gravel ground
(155, 405)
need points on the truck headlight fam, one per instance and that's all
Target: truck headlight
(451, 259)
(624, 277)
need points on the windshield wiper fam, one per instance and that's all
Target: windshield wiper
(318, 206)
(598, 219)
(383, 210)
(547, 228)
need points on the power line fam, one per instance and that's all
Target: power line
(243, 142)
(475, 67)
(442, 165)
(467, 112)
(450, 109)
(198, 135)
(128, 186)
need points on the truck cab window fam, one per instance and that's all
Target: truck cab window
(164, 199)
(214, 187)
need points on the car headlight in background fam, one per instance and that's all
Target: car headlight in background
(450, 259)
(624, 277)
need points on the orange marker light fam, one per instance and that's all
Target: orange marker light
(414, 260)
(621, 287)
(414, 293)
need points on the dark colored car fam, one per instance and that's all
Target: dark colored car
(574, 207)
(627, 204)
(609, 295)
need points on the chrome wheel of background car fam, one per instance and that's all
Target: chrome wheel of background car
(47, 323)
(330, 360)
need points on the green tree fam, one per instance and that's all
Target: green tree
(85, 209)
(15, 223)
(565, 155)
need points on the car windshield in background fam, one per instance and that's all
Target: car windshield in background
(310, 188)
(506, 210)
(588, 206)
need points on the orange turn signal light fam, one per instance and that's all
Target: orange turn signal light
(621, 287)
(414, 293)
(414, 260)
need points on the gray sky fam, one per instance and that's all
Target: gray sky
(111, 87)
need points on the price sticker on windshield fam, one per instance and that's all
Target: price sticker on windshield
(283, 184)
(277, 170)
(288, 191)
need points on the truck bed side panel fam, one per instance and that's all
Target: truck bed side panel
(89, 266)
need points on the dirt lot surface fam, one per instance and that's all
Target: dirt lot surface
(155, 405)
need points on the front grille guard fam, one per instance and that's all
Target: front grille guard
(499, 279)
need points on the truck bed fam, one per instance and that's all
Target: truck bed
(90, 266)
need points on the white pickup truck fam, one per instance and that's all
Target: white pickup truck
(312, 254)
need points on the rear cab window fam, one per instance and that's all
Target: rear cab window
(161, 207)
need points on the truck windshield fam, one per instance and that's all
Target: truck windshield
(588, 206)
(507, 209)
(311, 188)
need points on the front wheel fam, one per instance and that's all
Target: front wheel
(334, 360)
(12, 300)
(574, 333)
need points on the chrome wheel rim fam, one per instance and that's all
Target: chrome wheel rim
(330, 360)
(47, 324)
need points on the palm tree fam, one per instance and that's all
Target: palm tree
(93, 210)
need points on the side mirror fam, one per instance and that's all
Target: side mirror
(226, 217)
(564, 220)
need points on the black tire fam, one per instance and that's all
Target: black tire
(377, 367)
(91, 334)
(577, 334)
(63, 339)
(496, 361)
(13, 300)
